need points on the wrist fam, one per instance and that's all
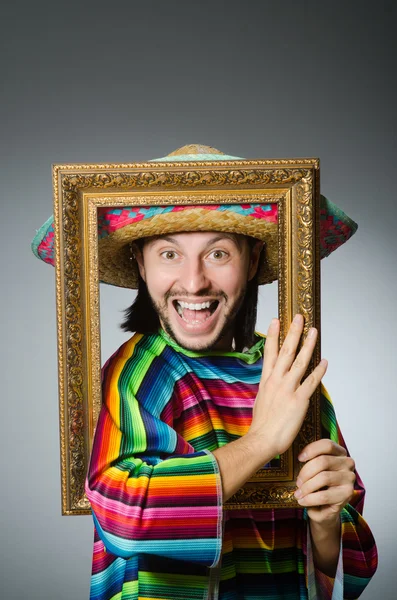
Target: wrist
(325, 537)
(260, 446)
(325, 527)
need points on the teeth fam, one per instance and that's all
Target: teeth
(183, 305)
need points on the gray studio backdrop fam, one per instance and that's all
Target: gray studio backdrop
(129, 81)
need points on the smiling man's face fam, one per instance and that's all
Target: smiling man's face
(197, 282)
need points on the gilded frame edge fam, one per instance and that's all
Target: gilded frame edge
(298, 290)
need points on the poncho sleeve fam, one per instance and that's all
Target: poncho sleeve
(358, 555)
(150, 492)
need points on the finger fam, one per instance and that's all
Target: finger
(302, 360)
(326, 479)
(270, 352)
(322, 464)
(340, 495)
(312, 381)
(319, 447)
(287, 353)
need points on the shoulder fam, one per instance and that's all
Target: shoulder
(140, 347)
(141, 369)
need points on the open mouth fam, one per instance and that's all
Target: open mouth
(197, 312)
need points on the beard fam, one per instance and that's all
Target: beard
(230, 313)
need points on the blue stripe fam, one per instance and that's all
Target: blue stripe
(203, 551)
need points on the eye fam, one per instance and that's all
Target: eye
(169, 254)
(218, 254)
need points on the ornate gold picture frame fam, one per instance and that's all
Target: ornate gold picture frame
(79, 190)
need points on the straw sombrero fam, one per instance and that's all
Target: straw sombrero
(118, 227)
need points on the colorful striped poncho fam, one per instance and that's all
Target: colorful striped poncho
(154, 486)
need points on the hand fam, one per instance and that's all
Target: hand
(326, 481)
(282, 400)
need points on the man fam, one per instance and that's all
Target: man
(193, 405)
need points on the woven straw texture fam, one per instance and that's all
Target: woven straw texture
(116, 266)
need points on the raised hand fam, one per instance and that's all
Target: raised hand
(280, 407)
(283, 400)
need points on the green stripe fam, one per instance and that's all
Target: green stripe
(328, 419)
(186, 466)
(129, 382)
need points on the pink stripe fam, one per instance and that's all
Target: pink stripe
(117, 508)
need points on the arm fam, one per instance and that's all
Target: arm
(333, 495)
(279, 410)
(149, 491)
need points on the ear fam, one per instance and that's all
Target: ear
(136, 252)
(254, 259)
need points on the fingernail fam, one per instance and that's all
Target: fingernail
(299, 482)
(312, 332)
(297, 318)
(302, 456)
(298, 494)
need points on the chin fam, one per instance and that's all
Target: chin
(212, 341)
(216, 335)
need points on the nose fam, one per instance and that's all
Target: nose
(193, 277)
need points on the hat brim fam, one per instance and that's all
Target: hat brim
(118, 232)
(119, 228)
(118, 267)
